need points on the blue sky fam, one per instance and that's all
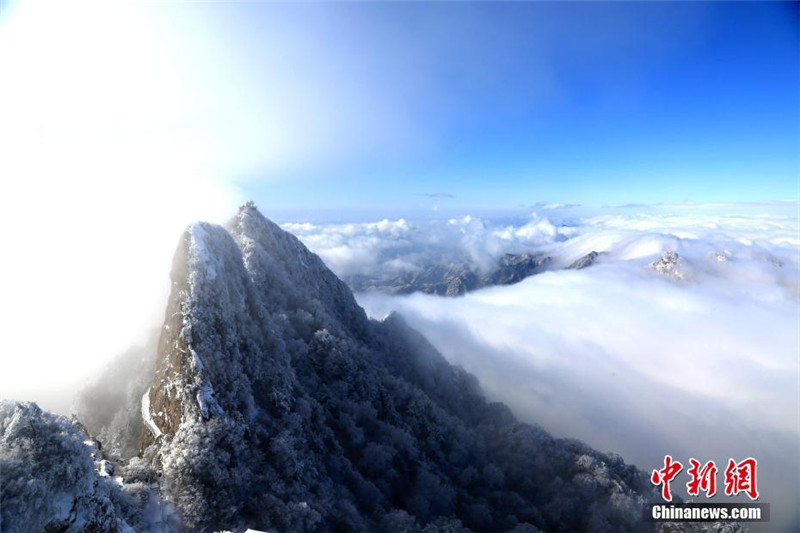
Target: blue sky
(341, 108)
(507, 104)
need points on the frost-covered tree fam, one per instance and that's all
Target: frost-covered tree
(49, 482)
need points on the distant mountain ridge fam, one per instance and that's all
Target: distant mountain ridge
(459, 278)
(276, 404)
(455, 278)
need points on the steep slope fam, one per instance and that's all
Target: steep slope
(276, 404)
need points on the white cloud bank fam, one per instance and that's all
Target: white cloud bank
(393, 246)
(617, 355)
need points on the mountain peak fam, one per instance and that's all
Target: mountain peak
(281, 265)
(277, 404)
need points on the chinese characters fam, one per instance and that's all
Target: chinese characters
(738, 477)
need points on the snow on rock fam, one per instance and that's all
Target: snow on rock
(147, 417)
(670, 265)
(202, 264)
(105, 468)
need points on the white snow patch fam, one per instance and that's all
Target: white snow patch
(197, 363)
(148, 420)
(104, 468)
(199, 254)
(206, 401)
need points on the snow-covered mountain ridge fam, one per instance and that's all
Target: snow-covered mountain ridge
(277, 405)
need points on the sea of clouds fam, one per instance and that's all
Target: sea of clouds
(390, 247)
(703, 365)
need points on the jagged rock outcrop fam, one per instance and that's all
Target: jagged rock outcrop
(585, 261)
(670, 265)
(276, 404)
(452, 280)
(513, 268)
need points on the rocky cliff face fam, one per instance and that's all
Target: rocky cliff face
(212, 338)
(221, 352)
